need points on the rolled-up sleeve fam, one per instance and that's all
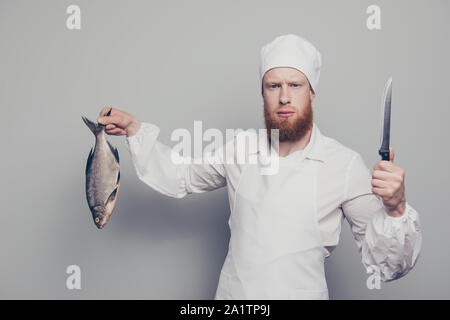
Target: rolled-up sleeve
(155, 166)
(388, 245)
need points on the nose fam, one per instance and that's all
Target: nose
(284, 96)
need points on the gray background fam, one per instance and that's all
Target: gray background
(173, 62)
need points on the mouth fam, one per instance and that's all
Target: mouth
(99, 225)
(285, 114)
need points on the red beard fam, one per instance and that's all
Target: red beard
(292, 128)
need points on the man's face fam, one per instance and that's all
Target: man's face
(287, 103)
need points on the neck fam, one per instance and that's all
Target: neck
(287, 147)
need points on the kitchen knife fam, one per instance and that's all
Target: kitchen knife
(386, 122)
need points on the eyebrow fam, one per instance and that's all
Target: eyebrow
(277, 81)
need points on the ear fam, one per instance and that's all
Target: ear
(311, 94)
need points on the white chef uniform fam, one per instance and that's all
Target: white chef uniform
(284, 225)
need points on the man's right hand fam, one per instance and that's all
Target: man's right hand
(119, 122)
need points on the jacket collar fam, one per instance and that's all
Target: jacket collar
(315, 148)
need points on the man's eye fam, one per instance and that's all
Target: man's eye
(274, 86)
(296, 85)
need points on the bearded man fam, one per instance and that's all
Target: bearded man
(285, 224)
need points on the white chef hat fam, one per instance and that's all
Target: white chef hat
(293, 51)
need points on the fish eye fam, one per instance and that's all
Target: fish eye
(97, 220)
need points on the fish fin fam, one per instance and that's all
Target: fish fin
(112, 196)
(93, 126)
(88, 164)
(114, 151)
(118, 178)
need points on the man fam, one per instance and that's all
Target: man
(284, 225)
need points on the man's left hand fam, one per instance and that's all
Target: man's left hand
(388, 183)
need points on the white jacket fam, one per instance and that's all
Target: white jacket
(284, 225)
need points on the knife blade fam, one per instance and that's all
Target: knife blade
(386, 123)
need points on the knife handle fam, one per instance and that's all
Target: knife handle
(384, 155)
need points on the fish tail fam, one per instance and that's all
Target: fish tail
(93, 126)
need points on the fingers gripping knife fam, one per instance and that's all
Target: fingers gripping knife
(386, 123)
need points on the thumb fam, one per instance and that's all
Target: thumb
(107, 120)
(103, 120)
(117, 120)
(391, 154)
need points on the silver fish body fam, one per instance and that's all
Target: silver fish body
(102, 176)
